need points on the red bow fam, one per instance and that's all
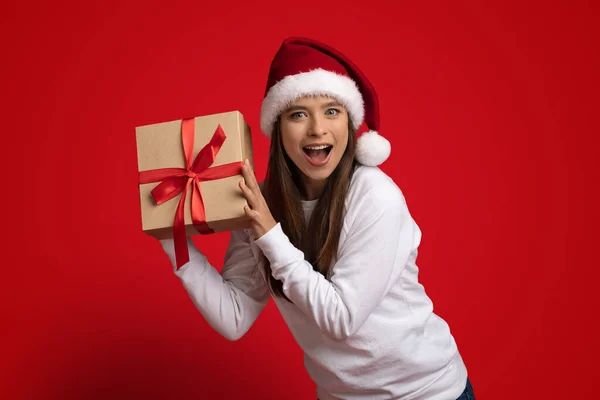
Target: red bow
(177, 180)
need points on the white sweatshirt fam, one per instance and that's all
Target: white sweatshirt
(367, 333)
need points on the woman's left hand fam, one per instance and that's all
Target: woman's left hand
(257, 210)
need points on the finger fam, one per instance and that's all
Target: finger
(250, 177)
(248, 194)
(247, 174)
(253, 215)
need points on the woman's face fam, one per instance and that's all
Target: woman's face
(314, 132)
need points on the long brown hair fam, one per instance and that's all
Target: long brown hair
(318, 239)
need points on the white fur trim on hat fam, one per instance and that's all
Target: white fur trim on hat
(316, 82)
(372, 149)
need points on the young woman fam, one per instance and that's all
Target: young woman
(332, 242)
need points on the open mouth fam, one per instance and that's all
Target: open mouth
(318, 155)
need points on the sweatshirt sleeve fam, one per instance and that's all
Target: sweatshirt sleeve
(380, 239)
(232, 300)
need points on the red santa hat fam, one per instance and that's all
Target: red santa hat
(304, 67)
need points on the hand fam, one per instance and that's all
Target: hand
(257, 210)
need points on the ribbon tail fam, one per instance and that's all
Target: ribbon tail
(198, 210)
(206, 157)
(182, 255)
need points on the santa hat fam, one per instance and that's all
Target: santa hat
(304, 67)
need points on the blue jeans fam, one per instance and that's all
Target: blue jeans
(468, 393)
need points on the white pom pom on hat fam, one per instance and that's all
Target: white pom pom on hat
(372, 149)
(303, 67)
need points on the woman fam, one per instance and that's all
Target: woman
(332, 242)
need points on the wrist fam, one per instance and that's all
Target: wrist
(263, 230)
(277, 247)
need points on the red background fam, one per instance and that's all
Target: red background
(492, 115)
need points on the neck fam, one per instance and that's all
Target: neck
(313, 189)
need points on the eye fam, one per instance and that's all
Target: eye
(332, 111)
(297, 115)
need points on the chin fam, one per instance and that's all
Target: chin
(321, 173)
(318, 176)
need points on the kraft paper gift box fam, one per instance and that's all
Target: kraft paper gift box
(199, 159)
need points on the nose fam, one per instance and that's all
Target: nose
(317, 127)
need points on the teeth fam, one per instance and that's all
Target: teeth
(317, 147)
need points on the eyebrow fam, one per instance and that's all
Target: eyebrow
(302, 108)
(295, 108)
(332, 104)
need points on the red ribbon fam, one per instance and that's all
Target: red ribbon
(178, 180)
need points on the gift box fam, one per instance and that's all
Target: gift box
(189, 174)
